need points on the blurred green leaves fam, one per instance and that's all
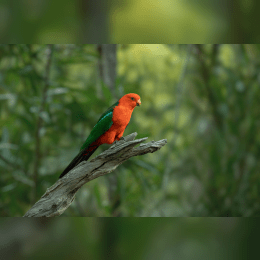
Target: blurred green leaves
(125, 238)
(202, 98)
(134, 21)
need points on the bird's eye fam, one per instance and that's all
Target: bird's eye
(132, 98)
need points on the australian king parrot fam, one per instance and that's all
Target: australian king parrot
(109, 128)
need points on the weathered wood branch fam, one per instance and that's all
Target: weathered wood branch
(60, 195)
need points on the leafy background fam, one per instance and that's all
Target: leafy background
(129, 21)
(128, 238)
(203, 98)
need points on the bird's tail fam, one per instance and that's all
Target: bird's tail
(83, 155)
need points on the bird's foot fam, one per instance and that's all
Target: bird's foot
(122, 138)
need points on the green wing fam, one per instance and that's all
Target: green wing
(103, 124)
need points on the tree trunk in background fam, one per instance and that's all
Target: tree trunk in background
(206, 71)
(107, 72)
(94, 21)
(39, 124)
(243, 21)
(110, 239)
(107, 66)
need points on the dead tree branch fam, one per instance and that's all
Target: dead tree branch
(60, 195)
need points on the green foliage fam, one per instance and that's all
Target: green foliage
(125, 238)
(129, 21)
(203, 99)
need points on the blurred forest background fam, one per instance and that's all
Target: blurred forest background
(129, 238)
(129, 21)
(203, 98)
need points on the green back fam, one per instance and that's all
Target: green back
(103, 124)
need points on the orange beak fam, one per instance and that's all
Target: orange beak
(138, 103)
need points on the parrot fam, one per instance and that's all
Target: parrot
(109, 128)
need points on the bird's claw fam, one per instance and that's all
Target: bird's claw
(120, 139)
